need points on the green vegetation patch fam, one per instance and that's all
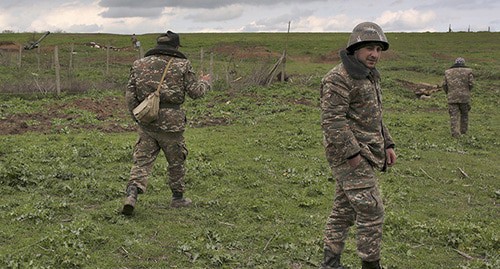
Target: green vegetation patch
(256, 170)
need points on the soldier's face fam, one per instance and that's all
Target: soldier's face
(369, 54)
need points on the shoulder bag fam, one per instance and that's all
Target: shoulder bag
(147, 110)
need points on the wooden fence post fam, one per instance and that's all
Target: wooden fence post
(141, 52)
(38, 58)
(211, 71)
(20, 56)
(202, 54)
(57, 67)
(283, 66)
(107, 60)
(71, 57)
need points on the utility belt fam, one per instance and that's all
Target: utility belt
(170, 105)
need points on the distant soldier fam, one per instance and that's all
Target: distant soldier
(458, 84)
(357, 143)
(134, 41)
(167, 132)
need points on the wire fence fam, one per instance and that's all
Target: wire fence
(78, 68)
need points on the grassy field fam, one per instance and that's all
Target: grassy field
(256, 171)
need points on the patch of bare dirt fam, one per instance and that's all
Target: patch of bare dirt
(330, 57)
(245, 52)
(111, 112)
(334, 57)
(441, 56)
(9, 46)
(422, 90)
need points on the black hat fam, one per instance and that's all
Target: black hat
(170, 39)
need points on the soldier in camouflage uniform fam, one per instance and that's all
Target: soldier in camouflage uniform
(134, 40)
(356, 143)
(458, 83)
(165, 133)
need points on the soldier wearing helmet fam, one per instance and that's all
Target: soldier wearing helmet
(458, 84)
(357, 143)
(366, 32)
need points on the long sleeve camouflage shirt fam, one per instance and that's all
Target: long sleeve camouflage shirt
(145, 75)
(458, 84)
(351, 118)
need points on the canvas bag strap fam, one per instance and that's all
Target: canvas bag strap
(163, 76)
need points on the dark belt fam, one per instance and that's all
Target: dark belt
(169, 105)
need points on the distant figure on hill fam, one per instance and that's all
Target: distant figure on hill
(135, 41)
(167, 132)
(458, 84)
(357, 143)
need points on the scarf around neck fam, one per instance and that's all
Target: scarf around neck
(355, 68)
(458, 66)
(165, 50)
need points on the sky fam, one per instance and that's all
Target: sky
(194, 16)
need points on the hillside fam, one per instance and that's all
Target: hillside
(256, 170)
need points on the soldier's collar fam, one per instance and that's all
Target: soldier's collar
(458, 66)
(165, 50)
(355, 68)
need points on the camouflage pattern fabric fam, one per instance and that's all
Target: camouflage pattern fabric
(351, 119)
(165, 133)
(180, 80)
(146, 150)
(458, 84)
(357, 201)
(459, 118)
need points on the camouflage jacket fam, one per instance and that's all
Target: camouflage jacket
(180, 80)
(351, 118)
(458, 83)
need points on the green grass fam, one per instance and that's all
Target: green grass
(261, 187)
(418, 57)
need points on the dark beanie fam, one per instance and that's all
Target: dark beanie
(169, 39)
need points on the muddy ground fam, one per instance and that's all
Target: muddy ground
(111, 113)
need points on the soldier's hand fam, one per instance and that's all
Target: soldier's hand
(207, 78)
(354, 162)
(391, 156)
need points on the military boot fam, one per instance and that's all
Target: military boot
(180, 202)
(331, 261)
(130, 200)
(372, 265)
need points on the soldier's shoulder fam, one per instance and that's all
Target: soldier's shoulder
(453, 71)
(146, 60)
(182, 61)
(181, 64)
(460, 70)
(338, 70)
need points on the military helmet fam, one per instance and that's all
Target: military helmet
(460, 61)
(366, 32)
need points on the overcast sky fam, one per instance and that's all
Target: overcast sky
(155, 16)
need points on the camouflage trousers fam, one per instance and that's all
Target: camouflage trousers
(357, 201)
(146, 150)
(459, 118)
